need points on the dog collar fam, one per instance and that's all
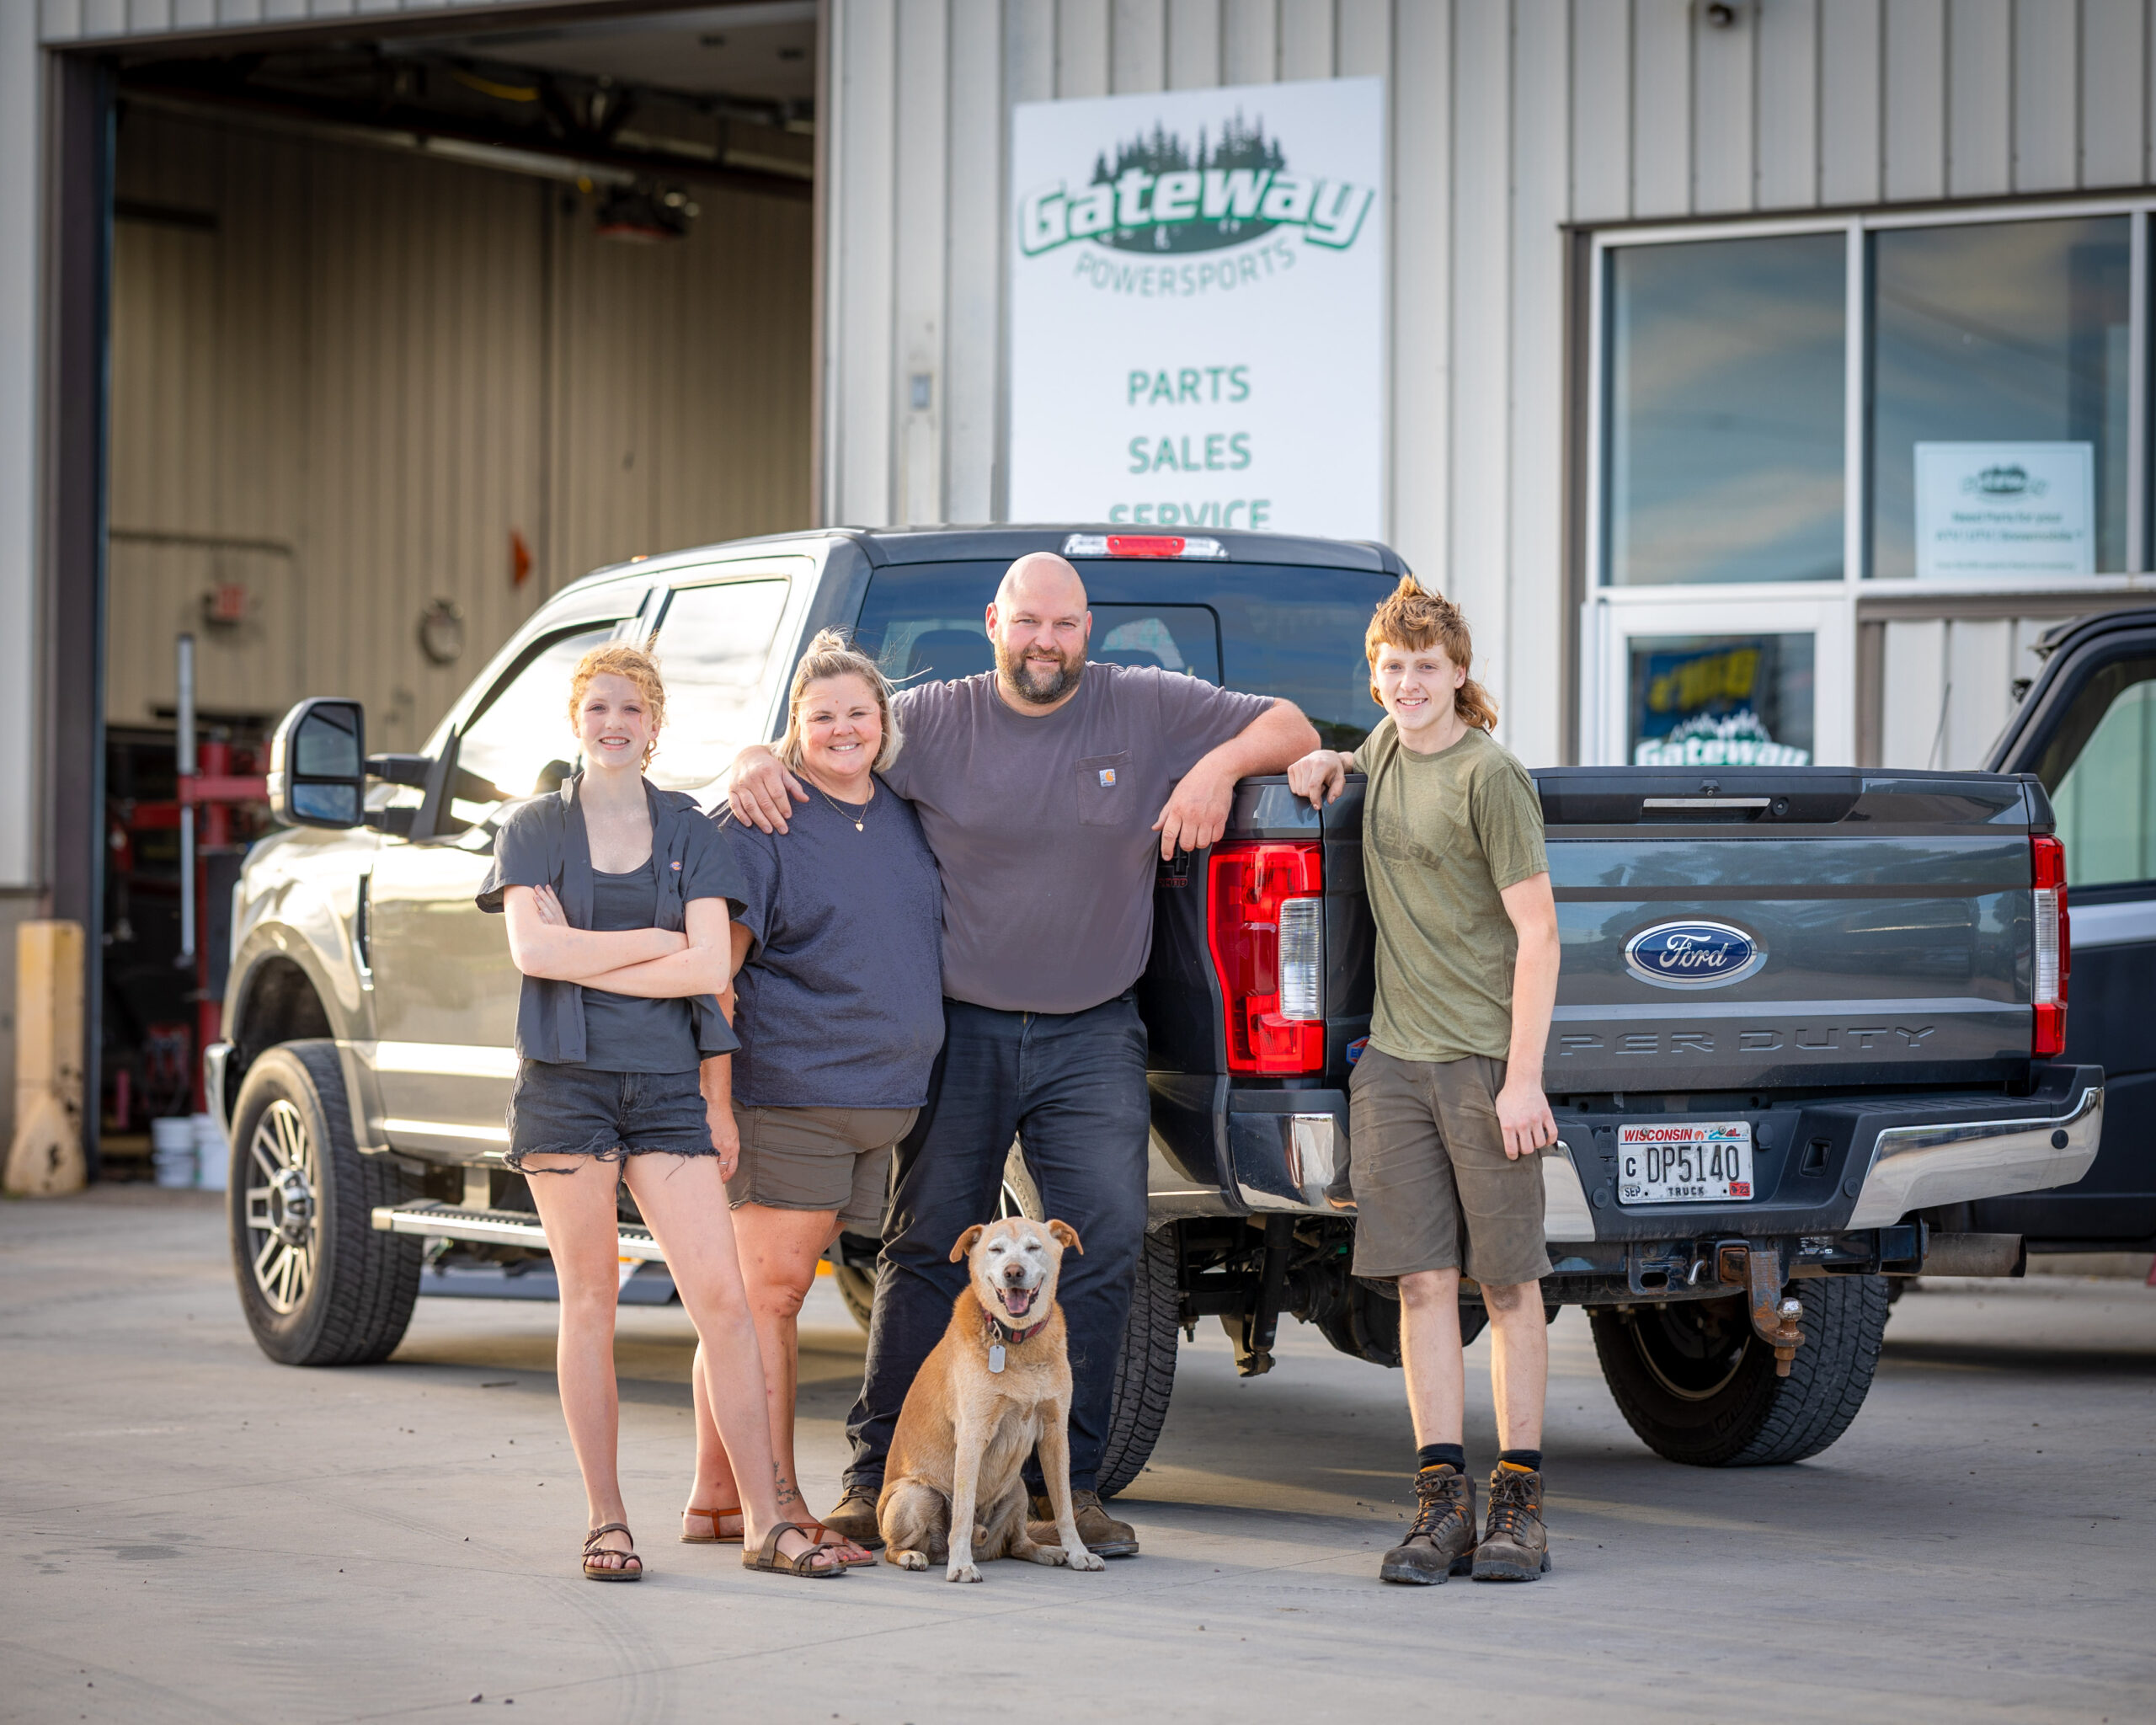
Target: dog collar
(1000, 1334)
(1005, 1333)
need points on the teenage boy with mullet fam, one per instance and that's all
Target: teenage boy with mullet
(1445, 1109)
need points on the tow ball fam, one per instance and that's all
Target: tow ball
(1757, 1269)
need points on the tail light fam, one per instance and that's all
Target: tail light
(1266, 912)
(2054, 948)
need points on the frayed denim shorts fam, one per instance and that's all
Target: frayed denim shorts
(571, 1110)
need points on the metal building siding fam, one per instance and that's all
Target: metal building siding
(385, 363)
(62, 21)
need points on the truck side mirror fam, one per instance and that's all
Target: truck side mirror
(317, 765)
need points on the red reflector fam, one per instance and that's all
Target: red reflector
(2048, 1040)
(1244, 885)
(1144, 545)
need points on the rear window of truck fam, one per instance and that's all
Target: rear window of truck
(1265, 628)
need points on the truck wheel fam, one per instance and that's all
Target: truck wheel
(319, 1284)
(1146, 1374)
(857, 1288)
(1698, 1387)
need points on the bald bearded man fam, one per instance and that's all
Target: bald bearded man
(1045, 789)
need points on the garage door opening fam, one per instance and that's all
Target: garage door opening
(406, 335)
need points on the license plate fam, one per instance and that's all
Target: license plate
(1693, 1161)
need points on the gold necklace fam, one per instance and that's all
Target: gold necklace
(839, 811)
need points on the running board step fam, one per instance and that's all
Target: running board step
(497, 1227)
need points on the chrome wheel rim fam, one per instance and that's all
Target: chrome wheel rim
(283, 1220)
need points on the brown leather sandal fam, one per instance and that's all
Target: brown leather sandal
(832, 1540)
(772, 1562)
(728, 1526)
(593, 1550)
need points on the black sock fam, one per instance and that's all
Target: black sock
(1430, 1454)
(1529, 1458)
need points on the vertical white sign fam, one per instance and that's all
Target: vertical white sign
(2006, 509)
(1198, 309)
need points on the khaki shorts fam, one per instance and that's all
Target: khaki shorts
(835, 1159)
(1433, 1188)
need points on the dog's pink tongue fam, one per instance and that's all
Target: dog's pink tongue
(1017, 1302)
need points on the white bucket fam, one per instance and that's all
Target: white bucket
(213, 1156)
(172, 1151)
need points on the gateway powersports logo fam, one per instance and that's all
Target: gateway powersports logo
(1158, 195)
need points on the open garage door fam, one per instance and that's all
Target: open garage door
(405, 335)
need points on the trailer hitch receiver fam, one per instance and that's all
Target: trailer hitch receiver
(1757, 1269)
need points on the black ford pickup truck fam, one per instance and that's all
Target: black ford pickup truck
(1810, 1034)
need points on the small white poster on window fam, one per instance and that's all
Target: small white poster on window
(2006, 509)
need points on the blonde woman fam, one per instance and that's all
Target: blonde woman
(838, 1009)
(618, 896)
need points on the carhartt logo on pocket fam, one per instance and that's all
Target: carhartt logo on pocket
(1108, 776)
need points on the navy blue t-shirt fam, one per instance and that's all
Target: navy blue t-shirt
(840, 1002)
(626, 1033)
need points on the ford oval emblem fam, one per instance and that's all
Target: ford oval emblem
(1694, 954)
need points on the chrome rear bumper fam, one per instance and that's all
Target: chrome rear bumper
(1914, 1167)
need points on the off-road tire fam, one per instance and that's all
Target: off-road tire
(1719, 1405)
(1146, 1372)
(358, 1295)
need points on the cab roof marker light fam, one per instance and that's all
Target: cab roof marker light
(1140, 545)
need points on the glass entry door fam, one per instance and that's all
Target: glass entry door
(1698, 682)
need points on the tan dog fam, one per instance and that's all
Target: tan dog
(997, 1386)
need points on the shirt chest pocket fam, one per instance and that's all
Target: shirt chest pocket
(1107, 796)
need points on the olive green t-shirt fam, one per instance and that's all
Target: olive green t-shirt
(1443, 835)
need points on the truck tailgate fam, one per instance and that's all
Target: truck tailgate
(1791, 926)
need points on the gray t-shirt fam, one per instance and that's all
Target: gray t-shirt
(1043, 827)
(627, 1032)
(840, 1004)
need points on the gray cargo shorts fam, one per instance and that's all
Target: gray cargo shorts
(1434, 1189)
(834, 1159)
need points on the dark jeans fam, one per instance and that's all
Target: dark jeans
(1071, 1087)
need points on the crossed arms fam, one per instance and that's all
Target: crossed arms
(653, 964)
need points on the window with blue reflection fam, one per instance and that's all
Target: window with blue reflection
(1727, 361)
(1998, 419)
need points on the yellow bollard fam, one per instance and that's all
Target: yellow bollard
(46, 1157)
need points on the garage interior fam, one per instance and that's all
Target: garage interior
(406, 334)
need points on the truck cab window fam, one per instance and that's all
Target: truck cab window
(2100, 770)
(712, 646)
(1262, 628)
(522, 727)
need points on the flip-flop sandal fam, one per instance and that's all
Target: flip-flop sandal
(727, 1524)
(833, 1542)
(592, 1549)
(772, 1562)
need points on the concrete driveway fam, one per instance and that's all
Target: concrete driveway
(194, 1534)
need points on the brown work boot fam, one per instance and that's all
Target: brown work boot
(1098, 1531)
(855, 1519)
(1442, 1540)
(1515, 1546)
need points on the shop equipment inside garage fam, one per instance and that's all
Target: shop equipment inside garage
(408, 330)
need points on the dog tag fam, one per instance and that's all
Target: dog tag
(995, 1356)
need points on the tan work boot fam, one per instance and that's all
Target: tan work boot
(1098, 1531)
(1442, 1540)
(855, 1519)
(1515, 1546)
